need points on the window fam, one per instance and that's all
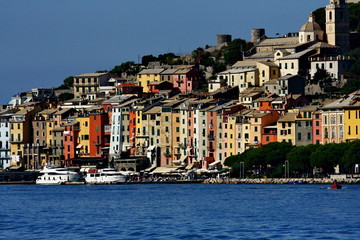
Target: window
(333, 133)
(299, 136)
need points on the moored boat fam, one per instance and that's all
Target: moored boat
(56, 175)
(105, 176)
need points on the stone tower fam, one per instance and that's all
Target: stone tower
(337, 24)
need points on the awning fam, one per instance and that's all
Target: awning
(149, 169)
(181, 160)
(190, 166)
(79, 146)
(214, 163)
(151, 148)
(161, 170)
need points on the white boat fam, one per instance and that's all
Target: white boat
(56, 175)
(105, 176)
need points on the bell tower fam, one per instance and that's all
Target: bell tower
(337, 24)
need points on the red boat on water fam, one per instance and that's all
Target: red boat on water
(336, 186)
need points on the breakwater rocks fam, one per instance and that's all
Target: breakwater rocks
(281, 181)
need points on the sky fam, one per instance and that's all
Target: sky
(42, 42)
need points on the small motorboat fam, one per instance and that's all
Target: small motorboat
(336, 186)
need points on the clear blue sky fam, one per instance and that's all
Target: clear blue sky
(44, 41)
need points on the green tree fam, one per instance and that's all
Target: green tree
(68, 83)
(64, 97)
(320, 17)
(234, 51)
(353, 77)
(328, 156)
(354, 16)
(299, 159)
(167, 58)
(276, 152)
(146, 59)
(127, 67)
(351, 157)
(322, 77)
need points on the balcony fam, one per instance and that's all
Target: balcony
(167, 154)
(97, 143)
(17, 119)
(107, 128)
(16, 140)
(181, 145)
(211, 137)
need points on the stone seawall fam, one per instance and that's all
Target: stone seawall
(281, 181)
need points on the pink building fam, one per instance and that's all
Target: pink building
(187, 79)
(317, 128)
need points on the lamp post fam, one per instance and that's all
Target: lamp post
(287, 169)
(242, 175)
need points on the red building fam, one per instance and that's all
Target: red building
(71, 135)
(99, 138)
(127, 88)
(132, 130)
(269, 134)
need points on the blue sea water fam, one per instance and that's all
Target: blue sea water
(187, 211)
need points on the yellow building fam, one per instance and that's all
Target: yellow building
(166, 134)
(84, 135)
(267, 71)
(142, 138)
(352, 119)
(20, 133)
(286, 128)
(146, 76)
(232, 135)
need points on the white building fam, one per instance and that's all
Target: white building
(4, 140)
(335, 66)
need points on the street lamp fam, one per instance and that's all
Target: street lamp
(242, 171)
(287, 169)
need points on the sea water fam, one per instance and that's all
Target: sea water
(184, 211)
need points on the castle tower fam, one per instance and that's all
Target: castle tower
(337, 24)
(311, 31)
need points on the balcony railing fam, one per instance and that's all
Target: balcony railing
(16, 140)
(181, 145)
(107, 128)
